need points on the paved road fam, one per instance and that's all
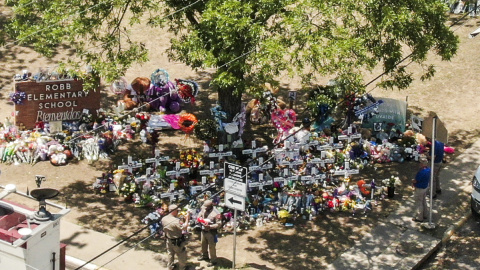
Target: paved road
(461, 251)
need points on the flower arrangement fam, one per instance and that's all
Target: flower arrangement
(191, 158)
(128, 188)
(18, 97)
(392, 181)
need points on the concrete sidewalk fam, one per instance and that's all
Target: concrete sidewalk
(399, 242)
(84, 244)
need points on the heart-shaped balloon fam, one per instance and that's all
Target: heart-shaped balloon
(284, 120)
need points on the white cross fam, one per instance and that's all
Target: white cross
(220, 154)
(212, 171)
(130, 165)
(254, 151)
(157, 159)
(177, 172)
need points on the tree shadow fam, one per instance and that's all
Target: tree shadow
(315, 244)
(101, 212)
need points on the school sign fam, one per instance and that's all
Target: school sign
(49, 101)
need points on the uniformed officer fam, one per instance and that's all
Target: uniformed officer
(173, 228)
(209, 231)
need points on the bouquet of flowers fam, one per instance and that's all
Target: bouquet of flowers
(191, 159)
(17, 97)
(392, 181)
(128, 188)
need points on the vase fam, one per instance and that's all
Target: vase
(390, 192)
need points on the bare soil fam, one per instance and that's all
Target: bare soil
(452, 94)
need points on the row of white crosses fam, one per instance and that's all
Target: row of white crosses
(259, 166)
(314, 176)
(213, 168)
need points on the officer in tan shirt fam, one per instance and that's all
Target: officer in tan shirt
(173, 228)
(209, 231)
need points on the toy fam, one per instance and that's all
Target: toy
(164, 98)
(136, 95)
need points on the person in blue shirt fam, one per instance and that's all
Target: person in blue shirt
(438, 162)
(420, 183)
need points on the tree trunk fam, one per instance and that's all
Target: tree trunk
(231, 104)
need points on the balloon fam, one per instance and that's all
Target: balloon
(174, 107)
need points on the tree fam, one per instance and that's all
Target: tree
(249, 42)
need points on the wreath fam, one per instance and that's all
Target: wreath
(159, 77)
(187, 90)
(206, 130)
(187, 122)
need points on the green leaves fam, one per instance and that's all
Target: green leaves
(248, 41)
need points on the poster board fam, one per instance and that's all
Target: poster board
(48, 101)
(392, 113)
(427, 126)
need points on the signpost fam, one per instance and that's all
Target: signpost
(235, 186)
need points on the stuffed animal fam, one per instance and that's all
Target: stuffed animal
(136, 95)
(164, 98)
(396, 154)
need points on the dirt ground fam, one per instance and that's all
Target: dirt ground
(452, 94)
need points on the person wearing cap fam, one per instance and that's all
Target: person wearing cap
(173, 229)
(211, 223)
(421, 183)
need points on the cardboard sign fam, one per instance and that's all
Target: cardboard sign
(441, 131)
(48, 101)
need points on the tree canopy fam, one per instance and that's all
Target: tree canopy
(249, 42)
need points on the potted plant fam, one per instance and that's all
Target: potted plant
(390, 184)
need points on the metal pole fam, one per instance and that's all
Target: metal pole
(234, 237)
(431, 225)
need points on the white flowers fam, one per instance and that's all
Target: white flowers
(392, 181)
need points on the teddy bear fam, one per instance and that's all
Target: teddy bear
(164, 97)
(135, 94)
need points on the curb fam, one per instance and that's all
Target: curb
(75, 263)
(454, 227)
(446, 236)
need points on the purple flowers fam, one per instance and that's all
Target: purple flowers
(18, 97)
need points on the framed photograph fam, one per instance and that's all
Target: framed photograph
(292, 95)
(417, 123)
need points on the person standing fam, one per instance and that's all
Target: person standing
(438, 162)
(173, 228)
(209, 218)
(420, 183)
